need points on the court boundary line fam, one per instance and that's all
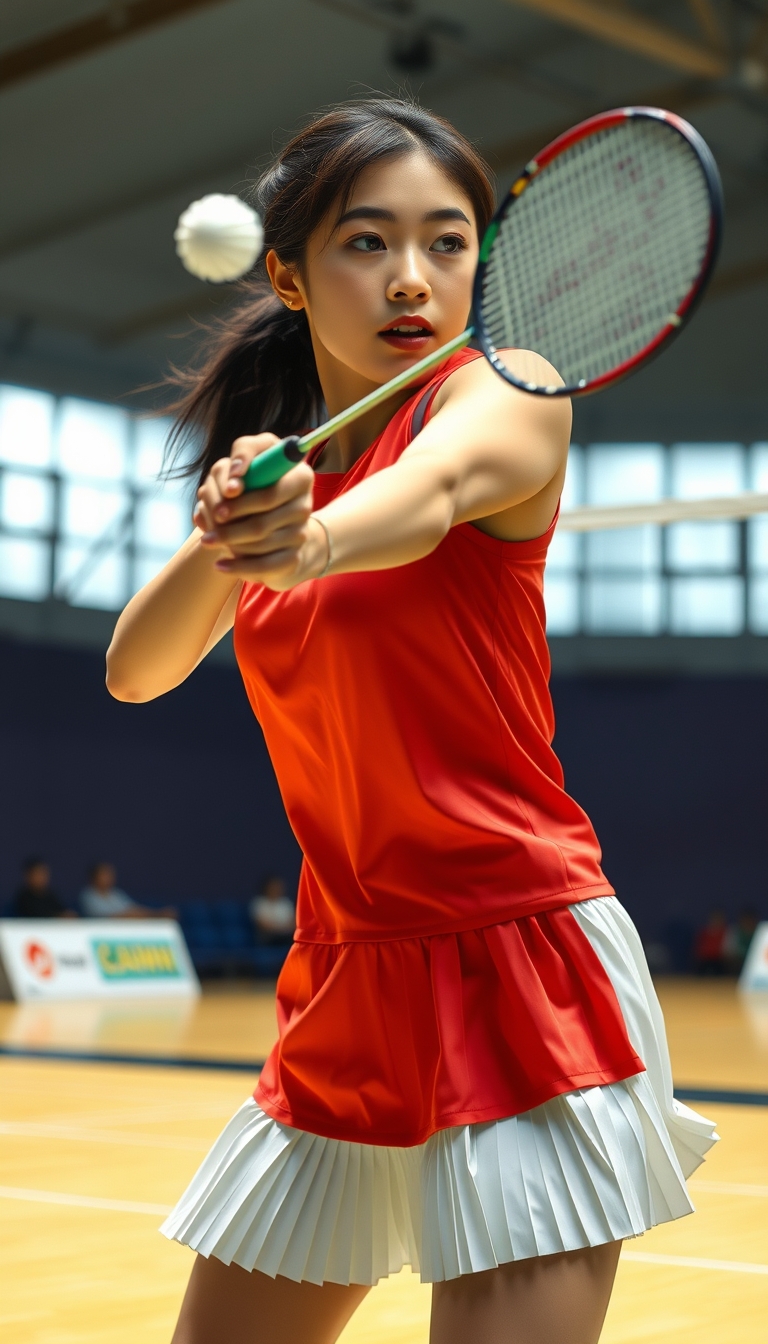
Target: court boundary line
(28, 1195)
(150, 1061)
(692, 1262)
(728, 1188)
(723, 1096)
(19, 1129)
(715, 1095)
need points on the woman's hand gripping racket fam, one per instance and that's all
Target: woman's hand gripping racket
(595, 259)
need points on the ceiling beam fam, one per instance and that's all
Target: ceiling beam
(205, 177)
(759, 39)
(710, 23)
(624, 27)
(112, 24)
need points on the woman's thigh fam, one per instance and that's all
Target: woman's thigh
(225, 1304)
(554, 1299)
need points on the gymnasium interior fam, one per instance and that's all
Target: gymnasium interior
(113, 118)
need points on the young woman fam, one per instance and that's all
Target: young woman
(471, 1075)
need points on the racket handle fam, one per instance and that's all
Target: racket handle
(268, 467)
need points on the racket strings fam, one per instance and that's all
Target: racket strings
(605, 313)
(600, 251)
(590, 269)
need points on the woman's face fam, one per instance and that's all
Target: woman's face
(390, 280)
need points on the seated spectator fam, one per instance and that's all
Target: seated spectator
(737, 940)
(103, 899)
(709, 946)
(273, 913)
(35, 898)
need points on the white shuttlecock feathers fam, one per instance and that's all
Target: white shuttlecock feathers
(219, 237)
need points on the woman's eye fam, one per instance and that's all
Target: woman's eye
(450, 242)
(368, 242)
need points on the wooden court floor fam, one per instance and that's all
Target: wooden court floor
(92, 1154)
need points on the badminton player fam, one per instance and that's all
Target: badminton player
(471, 1075)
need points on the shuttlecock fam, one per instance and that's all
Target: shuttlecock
(219, 237)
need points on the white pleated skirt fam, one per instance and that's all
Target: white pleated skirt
(591, 1166)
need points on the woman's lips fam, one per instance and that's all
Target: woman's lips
(406, 335)
(401, 342)
(407, 332)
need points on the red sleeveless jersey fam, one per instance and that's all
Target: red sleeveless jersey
(436, 977)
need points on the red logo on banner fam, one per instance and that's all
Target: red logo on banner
(40, 960)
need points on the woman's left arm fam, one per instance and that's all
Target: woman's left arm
(487, 449)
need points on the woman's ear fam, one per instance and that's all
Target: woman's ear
(283, 281)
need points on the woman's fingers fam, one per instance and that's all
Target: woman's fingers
(282, 559)
(211, 495)
(278, 569)
(223, 484)
(282, 539)
(240, 458)
(296, 482)
(216, 509)
(258, 527)
(262, 533)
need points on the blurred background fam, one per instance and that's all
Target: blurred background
(113, 117)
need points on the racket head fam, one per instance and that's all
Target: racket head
(599, 253)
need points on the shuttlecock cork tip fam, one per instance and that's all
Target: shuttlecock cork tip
(219, 238)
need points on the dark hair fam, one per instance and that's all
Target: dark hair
(259, 370)
(33, 861)
(270, 877)
(95, 866)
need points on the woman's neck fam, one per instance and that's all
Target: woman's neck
(342, 387)
(344, 448)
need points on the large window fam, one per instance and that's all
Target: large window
(83, 515)
(691, 578)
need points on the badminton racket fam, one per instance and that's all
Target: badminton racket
(595, 259)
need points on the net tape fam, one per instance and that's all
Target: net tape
(609, 517)
(600, 249)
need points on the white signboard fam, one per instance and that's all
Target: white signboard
(95, 958)
(755, 973)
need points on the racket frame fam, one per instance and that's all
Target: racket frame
(601, 122)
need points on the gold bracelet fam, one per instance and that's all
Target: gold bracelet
(329, 561)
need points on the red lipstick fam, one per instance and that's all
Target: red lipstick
(407, 333)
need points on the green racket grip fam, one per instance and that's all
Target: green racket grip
(268, 467)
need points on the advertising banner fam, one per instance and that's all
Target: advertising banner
(95, 959)
(755, 973)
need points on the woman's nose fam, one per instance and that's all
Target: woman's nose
(409, 282)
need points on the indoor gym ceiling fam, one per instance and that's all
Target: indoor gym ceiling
(113, 117)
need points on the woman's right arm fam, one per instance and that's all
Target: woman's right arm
(170, 625)
(175, 620)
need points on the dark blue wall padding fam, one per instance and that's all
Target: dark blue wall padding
(180, 794)
(674, 774)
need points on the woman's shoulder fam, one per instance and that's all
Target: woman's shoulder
(475, 374)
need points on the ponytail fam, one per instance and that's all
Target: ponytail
(259, 372)
(260, 375)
